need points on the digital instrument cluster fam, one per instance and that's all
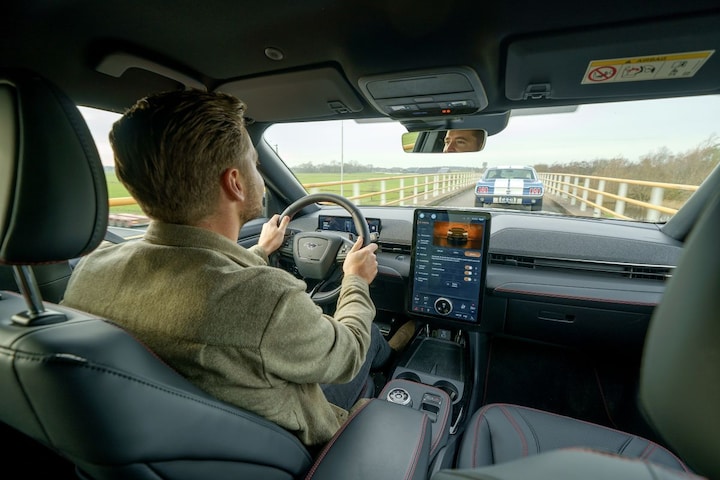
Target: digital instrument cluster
(346, 224)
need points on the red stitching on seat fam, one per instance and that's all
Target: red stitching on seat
(523, 440)
(482, 411)
(332, 441)
(476, 436)
(418, 447)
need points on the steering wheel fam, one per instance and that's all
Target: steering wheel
(319, 255)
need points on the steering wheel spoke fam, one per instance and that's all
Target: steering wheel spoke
(327, 290)
(319, 255)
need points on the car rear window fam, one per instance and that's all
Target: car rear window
(510, 173)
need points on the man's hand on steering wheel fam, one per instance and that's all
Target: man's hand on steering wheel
(362, 261)
(273, 233)
(318, 254)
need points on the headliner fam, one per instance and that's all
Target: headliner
(214, 42)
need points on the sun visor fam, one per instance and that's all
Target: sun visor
(639, 60)
(306, 94)
(434, 93)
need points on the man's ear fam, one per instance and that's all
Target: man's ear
(231, 184)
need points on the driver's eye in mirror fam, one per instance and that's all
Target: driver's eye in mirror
(445, 141)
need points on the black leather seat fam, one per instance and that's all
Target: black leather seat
(499, 433)
(77, 384)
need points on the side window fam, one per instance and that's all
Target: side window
(124, 212)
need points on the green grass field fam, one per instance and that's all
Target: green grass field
(117, 190)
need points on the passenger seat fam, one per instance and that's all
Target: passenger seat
(500, 433)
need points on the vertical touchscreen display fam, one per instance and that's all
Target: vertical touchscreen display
(449, 261)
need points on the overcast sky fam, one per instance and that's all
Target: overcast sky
(629, 130)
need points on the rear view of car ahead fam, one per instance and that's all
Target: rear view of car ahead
(511, 186)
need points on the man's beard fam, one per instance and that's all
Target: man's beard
(253, 209)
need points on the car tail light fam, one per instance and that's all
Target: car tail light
(482, 190)
(535, 191)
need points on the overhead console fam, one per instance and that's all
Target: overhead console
(445, 92)
(448, 264)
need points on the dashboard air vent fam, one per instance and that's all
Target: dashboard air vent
(389, 247)
(649, 272)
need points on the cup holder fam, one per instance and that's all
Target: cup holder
(413, 377)
(448, 388)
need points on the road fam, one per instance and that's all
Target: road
(467, 199)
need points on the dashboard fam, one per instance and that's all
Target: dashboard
(548, 277)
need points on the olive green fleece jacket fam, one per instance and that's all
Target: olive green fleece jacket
(243, 331)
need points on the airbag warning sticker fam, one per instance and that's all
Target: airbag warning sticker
(637, 69)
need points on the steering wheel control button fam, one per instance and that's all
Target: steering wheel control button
(400, 396)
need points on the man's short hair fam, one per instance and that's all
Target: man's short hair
(171, 148)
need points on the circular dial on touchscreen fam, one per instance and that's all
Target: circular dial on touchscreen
(443, 306)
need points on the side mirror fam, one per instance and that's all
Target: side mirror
(444, 141)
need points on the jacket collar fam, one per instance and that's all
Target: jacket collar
(160, 233)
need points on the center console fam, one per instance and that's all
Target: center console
(431, 376)
(438, 363)
(447, 283)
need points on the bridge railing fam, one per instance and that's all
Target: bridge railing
(590, 195)
(387, 190)
(609, 196)
(398, 190)
(416, 189)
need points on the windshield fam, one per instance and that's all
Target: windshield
(636, 160)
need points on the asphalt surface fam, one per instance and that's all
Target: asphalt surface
(466, 198)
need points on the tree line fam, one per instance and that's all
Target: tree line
(688, 168)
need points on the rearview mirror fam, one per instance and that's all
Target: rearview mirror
(444, 141)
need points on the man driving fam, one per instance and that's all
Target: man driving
(243, 331)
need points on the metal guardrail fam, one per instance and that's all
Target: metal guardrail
(568, 186)
(416, 189)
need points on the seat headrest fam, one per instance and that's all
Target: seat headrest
(53, 192)
(680, 380)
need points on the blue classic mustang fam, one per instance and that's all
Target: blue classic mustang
(510, 185)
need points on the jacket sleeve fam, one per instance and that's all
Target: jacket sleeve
(260, 252)
(302, 345)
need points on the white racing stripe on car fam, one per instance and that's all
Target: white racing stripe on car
(509, 186)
